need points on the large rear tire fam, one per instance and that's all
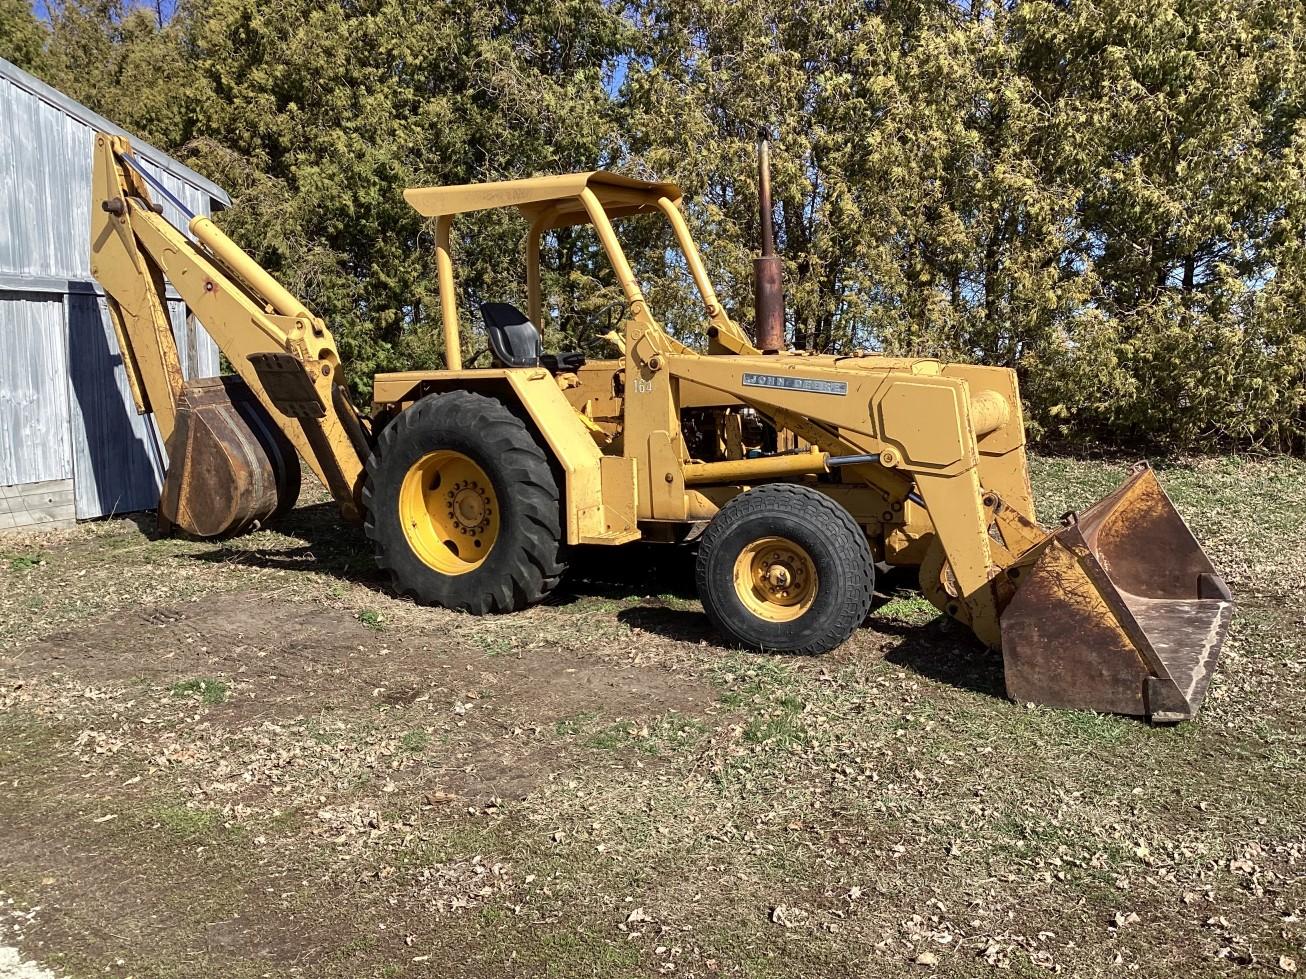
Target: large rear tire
(782, 567)
(463, 508)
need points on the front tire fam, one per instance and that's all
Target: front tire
(784, 568)
(463, 508)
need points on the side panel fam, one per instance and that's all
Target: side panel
(572, 446)
(1002, 464)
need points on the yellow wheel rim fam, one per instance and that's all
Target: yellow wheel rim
(775, 579)
(449, 512)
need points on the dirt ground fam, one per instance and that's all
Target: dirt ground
(247, 759)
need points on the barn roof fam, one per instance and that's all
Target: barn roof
(52, 96)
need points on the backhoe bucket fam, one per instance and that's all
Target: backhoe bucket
(229, 468)
(1122, 612)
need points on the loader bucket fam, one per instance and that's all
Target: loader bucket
(229, 468)
(1122, 611)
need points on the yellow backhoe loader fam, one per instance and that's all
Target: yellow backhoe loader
(798, 473)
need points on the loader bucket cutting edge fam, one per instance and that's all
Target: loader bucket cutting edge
(1122, 612)
(229, 467)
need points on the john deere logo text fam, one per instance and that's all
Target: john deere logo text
(788, 383)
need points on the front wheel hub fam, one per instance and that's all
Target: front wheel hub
(775, 579)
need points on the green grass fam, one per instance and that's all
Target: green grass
(745, 679)
(665, 734)
(185, 823)
(453, 841)
(24, 562)
(359, 945)
(208, 691)
(575, 724)
(415, 742)
(597, 604)
(491, 644)
(565, 953)
(779, 722)
(679, 602)
(371, 618)
(23, 743)
(911, 609)
(768, 692)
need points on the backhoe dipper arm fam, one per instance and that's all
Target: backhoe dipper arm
(283, 353)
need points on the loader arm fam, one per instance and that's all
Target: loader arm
(924, 428)
(287, 361)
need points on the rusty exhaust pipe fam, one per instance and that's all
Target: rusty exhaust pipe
(769, 325)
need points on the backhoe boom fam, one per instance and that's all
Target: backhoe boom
(291, 386)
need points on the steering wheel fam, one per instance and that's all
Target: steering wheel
(619, 307)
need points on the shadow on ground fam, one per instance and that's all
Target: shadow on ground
(662, 575)
(945, 652)
(937, 650)
(329, 545)
(333, 547)
(630, 570)
(682, 625)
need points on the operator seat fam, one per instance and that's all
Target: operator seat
(515, 342)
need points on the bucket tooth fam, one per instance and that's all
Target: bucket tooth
(1122, 612)
(229, 468)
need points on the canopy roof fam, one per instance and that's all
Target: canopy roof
(558, 196)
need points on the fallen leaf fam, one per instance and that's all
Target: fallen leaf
(786, 917)
(1121, 919)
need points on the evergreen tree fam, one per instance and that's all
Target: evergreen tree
(22, 38)
(1107, 195)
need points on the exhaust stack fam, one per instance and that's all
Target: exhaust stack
(769, 307)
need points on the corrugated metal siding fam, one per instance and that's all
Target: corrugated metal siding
(45, 173)
(117, 458)
(45, 184)
(34, 410)
(199, 354)
(65, 408)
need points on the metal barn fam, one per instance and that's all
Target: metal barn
(71, 444)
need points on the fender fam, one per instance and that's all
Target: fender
(600, 489)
